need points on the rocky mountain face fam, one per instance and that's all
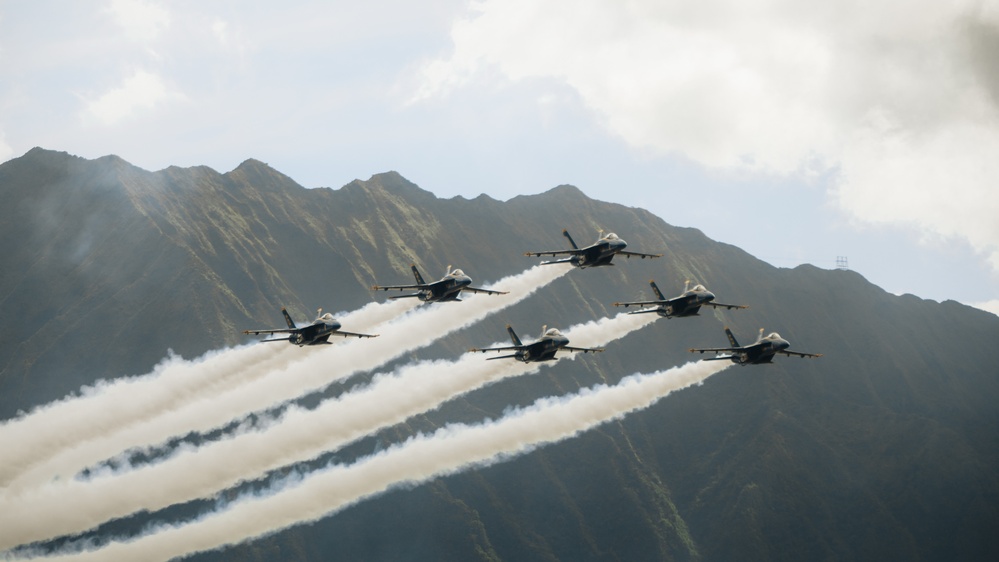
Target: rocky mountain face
(885, 448)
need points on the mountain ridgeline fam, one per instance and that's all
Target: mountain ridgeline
(885, 448)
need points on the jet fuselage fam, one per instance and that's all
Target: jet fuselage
(600, 253)
(543, 349)
(761, 352)
(316, 333)
(447, 289)
(688, 304)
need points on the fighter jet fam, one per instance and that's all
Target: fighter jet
(446, 290)
(599, 253)
(318, 332)
(687, 304)
(761, 351)
(542, 350)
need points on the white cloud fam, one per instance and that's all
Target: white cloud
(220, 29)
(899, 97)
(942, 181)
(230, 37)
(142, 91)
(989, 306)
(666, 78)
(142, 20)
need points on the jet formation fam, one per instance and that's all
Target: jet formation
(600, 253)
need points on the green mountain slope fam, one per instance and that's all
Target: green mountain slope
(885, 448)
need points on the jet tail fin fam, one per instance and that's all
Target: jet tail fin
(416, 274)
(571, 241)
(655, 289)
(513, 335)
(287, 318)
(731, 338)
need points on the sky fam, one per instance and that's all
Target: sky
(800, 131)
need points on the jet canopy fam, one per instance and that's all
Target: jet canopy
(457, 273)
(700, 288)
(773, 336)
(326, 317)
(553, 332)
(611, 236)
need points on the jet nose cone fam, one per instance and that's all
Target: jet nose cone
(464, 281)
(709, 296)
(782, 344)
(335, 325)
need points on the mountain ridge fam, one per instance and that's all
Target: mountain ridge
(886, 447)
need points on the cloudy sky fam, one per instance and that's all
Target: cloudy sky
(797, 130)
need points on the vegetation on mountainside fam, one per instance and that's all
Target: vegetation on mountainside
(886, 448)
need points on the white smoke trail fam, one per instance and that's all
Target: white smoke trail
(110, 406)
(447, 451)
(374, 314)
(74, 506)
(312, 371)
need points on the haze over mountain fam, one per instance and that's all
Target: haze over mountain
(885, 448)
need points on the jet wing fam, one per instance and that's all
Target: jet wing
(483, 291)
(646, 311)
(278, 331)
(553, 253)
(799, 354)
(713, 349)
(571, 259)
(399, 287)
(657, 303)
(728, 306)
(353, 334)
(504, 348)
(719, 358)
(582, 349)
(640, 303)
(628, 254)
